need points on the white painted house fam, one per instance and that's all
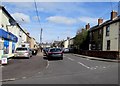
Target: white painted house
(7, 39)
(11, 34)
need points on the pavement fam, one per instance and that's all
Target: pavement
(97, 58)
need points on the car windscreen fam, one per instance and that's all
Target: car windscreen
(55, 50)
(21, 49)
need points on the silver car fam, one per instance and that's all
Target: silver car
(23, 52)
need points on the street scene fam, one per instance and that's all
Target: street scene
(59, 42)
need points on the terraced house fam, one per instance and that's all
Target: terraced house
(105, 37)
(111, 33)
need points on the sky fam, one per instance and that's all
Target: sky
(58, 20)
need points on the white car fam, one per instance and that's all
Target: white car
(23, 52)
(66, 50)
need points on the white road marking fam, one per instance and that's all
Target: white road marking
(4, 80)
(24, 77)
(47, 64)
(104, 67)
(71, 59)
(2, 66)
(84, 65)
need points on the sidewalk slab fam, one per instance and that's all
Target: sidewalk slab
(96, 58)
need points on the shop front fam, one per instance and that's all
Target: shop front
(7, 43)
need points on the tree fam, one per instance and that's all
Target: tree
(81, 40)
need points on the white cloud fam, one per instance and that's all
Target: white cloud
(88, 20)
(61, 20)
(70, 21)
(21, 18)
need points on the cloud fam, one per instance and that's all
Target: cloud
(35, 18)
(61, 20)
(71, 21)
(88, 20)
(21, 18)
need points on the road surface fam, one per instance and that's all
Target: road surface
(73, 70)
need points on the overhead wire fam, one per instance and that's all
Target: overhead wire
(36, 9)
(108, 11)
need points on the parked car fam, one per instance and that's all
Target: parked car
(55, 53)
(66, 50)
(23, 52)
(45, 51)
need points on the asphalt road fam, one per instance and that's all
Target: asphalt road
(23, 68)
(73, 70)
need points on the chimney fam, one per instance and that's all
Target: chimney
(28, 33)
(68, 38)
(113, 14)
(100, 21)
(87, 26)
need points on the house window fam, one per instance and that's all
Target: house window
(108, 45)
(107, 30)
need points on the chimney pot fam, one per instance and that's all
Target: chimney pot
(28, 33)
(87, 26)
(100, 21)
(113, 14)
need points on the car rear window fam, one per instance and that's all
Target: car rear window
(21, 49)
(55, 50)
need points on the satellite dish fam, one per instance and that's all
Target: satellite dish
(12, 22)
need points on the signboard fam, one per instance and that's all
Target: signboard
(4, 60)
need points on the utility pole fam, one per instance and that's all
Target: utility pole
(41, 36)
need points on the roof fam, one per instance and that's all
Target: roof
(105, 23)
(23, 30)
